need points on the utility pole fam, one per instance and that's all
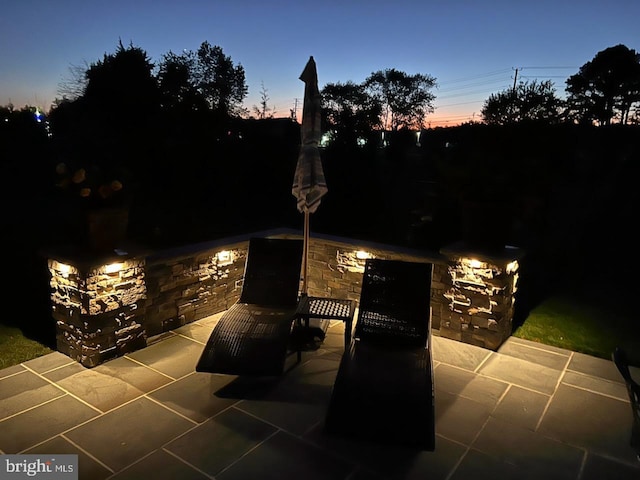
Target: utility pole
(294, 110)
(512, 106)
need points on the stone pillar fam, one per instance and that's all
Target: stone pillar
(98, 307)
(480, 292)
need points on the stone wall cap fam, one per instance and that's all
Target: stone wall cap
(230, 241)
(504, 254)
(86, 258)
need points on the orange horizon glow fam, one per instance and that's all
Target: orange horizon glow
(444, 119)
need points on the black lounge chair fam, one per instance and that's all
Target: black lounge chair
(633, 388)
(252, 337)
(384, 391)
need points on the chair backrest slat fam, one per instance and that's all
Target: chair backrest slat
(395, 303)
(272, 272)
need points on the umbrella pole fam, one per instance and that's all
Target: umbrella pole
(305, 258)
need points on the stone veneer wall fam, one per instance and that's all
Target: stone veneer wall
(480, 296)
(189, 285)
(103, 315)
(99, 313)
(335, 271)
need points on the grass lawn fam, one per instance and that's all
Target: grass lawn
(563, 321)
(582, 325)
(15, 348)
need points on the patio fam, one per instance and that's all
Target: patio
(524, 411)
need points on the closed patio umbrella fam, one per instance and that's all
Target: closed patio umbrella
(309, 184)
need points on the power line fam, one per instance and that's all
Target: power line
(497, 83)
(548, 68)
(461, 103)
(480, 75)
(543, 76)
(466, 86)
(473, 85)
(465, 94)
(452, 117)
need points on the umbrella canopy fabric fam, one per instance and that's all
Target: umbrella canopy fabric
(309, 184)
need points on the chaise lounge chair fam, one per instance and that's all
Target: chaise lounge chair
(383, 390)
(252, 336)
(633, 388)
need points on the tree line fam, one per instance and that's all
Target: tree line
(126, 84)
(605, 90)
(168, 131)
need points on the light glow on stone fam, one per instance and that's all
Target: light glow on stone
(224, 257)
(473, 263)
(64, 269)
(113, 267)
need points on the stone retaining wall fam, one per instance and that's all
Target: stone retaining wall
(336, 271)
(192, 285)
(103, 312)
(99, 310)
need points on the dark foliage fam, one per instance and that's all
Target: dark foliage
(528, 102)
(606, 88)
(563, 192)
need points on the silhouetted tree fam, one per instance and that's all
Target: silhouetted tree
(72, 87)
(406, 99)
(264, 111)
(220, 81)
(605, 88)
(122, 83)
(110, 131)
(350, 111)
(205, 78)
(177, 84)
(529, 101)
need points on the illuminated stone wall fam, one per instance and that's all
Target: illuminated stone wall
(104, 311)
(480, 296)
(336, 267)
(98, 309)
(192, 283)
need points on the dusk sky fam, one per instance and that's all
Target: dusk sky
(472, 48)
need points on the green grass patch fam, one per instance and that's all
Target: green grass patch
(582, 325)
(571, 322)
(15, 348)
